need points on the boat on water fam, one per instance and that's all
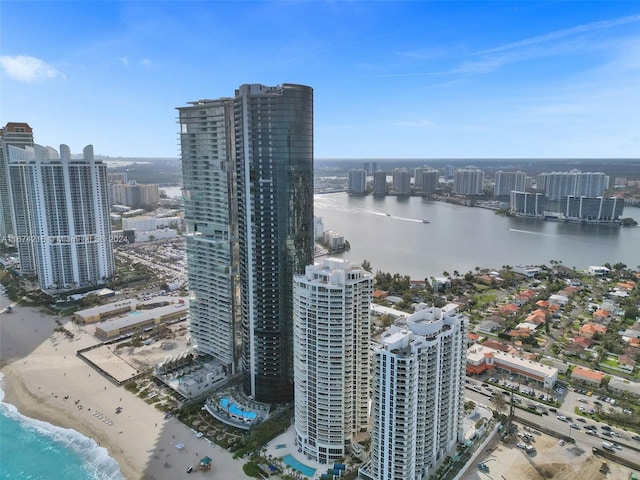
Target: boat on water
(424, 220)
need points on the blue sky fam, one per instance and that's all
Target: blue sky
(412, 79)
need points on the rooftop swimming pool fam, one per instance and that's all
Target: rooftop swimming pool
(233, 408)
(299, 466)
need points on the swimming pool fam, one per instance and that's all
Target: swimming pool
(299, 466)
(233, 408)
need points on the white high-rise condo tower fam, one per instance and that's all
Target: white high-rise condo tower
(331, 357)
(61, 211)
(418, 395)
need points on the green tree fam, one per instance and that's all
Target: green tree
(631, 313)
(499, 403)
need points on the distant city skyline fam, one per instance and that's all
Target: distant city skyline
(391, 79)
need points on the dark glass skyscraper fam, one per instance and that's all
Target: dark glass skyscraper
(274, 144)
(248, 177)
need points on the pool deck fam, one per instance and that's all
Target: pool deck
(275, 448)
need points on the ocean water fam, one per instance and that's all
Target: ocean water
(35, 450)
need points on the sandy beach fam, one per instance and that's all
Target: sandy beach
(45, 380)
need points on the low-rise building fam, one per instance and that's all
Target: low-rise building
(588, 330)
(141, 320)
(103, 312)
(509, 309)
(529, 271)
(598, 270)
(558, 299)
(586, 375)
(481, 359)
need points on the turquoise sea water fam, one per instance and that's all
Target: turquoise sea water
(35, 450)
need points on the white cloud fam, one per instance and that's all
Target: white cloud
(577, 30)
(28, 69)
(124, 60)
(145, 62)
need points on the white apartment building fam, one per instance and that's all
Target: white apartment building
(357, 181)
(331, 357)
(468, 181)
(61, 207)
(379, 183)
(143, 222)
(508, 181)
(134, 194)
(425, 179)
(576, 183)
(418, 395)
(401, 181)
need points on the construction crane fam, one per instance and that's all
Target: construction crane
(482, 466)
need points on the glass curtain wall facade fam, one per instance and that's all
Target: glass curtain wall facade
(274, 144)
(207, 144)
(18, 135)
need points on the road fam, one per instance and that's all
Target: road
(582, 440)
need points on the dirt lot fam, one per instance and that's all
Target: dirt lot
(124, 363)
(550, 462)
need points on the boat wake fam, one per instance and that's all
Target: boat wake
(529, 232)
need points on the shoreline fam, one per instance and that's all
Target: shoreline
(43, 369)
(17, 394)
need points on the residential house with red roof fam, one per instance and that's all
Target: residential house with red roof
(582, 341)
(586, 375)
(509, 309)
(588, 330)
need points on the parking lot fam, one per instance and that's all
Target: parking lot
(533, 455)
